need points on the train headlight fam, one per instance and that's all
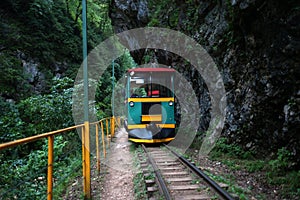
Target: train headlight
(171, 103)
(131, 104)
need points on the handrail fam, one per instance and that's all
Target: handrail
(36, 137)
(85, 150)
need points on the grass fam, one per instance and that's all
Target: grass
(138, 179)
(72, 171)
(139, 186)
(277, 170)
(229, 180)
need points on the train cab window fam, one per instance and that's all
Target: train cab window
(139, 84)
(162, 84)
(150, 84)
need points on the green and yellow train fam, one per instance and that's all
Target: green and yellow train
(150, 103)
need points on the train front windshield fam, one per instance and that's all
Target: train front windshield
(151, 84)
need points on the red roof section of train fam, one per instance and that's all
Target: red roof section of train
(151, 70)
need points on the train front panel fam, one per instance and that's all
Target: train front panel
(150, 105)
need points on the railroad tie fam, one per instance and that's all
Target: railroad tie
(193, 197)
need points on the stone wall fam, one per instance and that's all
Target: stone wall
(255, 44)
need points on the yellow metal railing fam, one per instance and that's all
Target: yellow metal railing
(85, 131)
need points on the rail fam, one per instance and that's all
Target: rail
(167, 163)
(162, 185)
(200, 173)
(85, 131)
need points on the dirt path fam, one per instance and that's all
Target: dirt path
(117, 182)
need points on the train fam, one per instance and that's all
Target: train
(150, 105)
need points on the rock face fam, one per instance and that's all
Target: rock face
(255, 44)
(128, 14)
(34, 77)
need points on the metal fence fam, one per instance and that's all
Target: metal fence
(105, 126)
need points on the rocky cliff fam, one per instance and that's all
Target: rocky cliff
(255, 44)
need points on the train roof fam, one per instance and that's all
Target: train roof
(149, 69)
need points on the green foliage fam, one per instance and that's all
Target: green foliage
(11, 124)
(281, 163)
(164, 13)
(104, 90)
(139, 186)
(42, 16)
(48, 32)
(279, 174)
(292, 183)
(233, 188)
(26, 178)
(277, 170)
(141, 92)
(138, 179)
(14, 82)
(71, 168)
(233, 150)
(98, 19)
(23, 170)
(255, 166)
(49, 112)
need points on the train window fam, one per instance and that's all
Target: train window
(138, 84)
(161, 84)
(151, 84)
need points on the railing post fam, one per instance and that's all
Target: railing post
(112, 127)
(107, 132)
(86, 168)
(97, 148)
(103, 139)
(87, 163)
(119, 122)
(50, 168)
(83, 158)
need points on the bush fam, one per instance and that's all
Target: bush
(232, 150)
(24, 168)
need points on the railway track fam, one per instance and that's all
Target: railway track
(174, 177)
